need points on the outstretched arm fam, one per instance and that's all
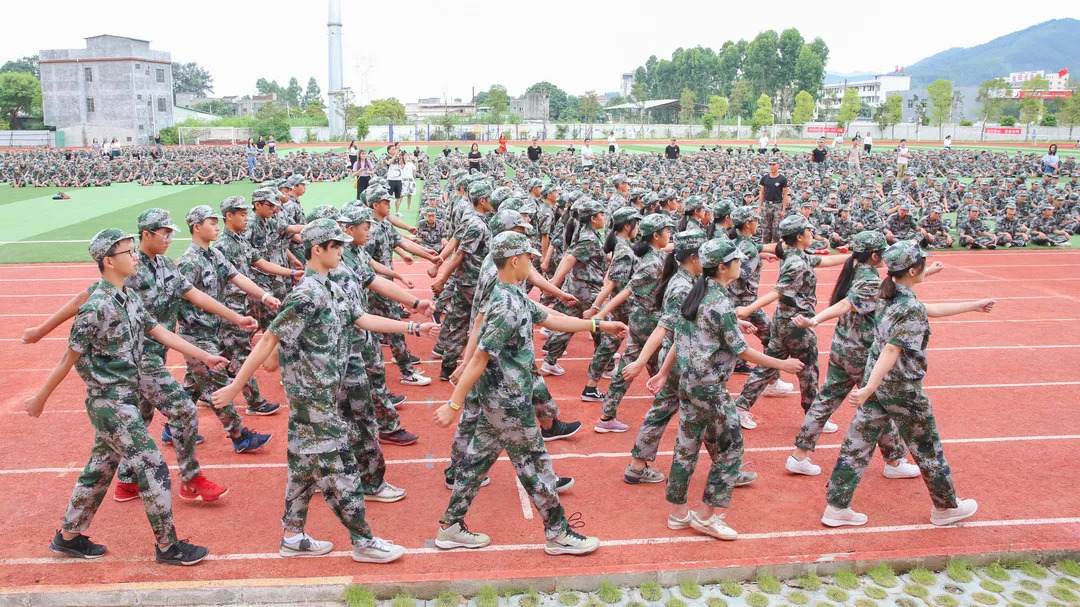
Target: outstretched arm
(938, 310)
(34, 334)
(36, 403)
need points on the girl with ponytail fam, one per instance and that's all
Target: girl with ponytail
(892, 393)
(695, 214)
(707, 344)
(721, 220)
(744, 289)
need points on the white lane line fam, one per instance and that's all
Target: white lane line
(523, 496)
(648, 541)
(3, 242)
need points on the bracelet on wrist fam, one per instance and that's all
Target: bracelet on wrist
(416, 304)
(453, 406)
(264, 296)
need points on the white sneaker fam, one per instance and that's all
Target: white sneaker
(715, 526)
(838, 517)
(964, 509)
(571, 542)
(376, 550)
(459, 536)
(387, 493)
(674, 523)
(483, 483)
(304, 545)
(904, 469)
(778, 388)
(416, 380)
(546, 332)
(803, 466)
(829, 428)
(555, 369)
(746, 419)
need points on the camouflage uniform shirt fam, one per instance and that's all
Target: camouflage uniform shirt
(108, 333)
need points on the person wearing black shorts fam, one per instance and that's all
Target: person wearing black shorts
(773, 200)
(818, 156)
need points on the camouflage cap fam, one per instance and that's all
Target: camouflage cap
(269, 183)
(508, 219)
(1010, 205)
(722, 208)
(104, 240)
(936, 209)
(618, 180)
(351, 204)
(327, 211)
(1046, 207)
(547, 190)
(377, 194)
(774, 160)
(200, 214)
(902, 255)
(588, 206)
(793, 224)
(718, 251)
(357, 215)
(234, 203)
(868, 242)
(152, 219)
(689, 240)
(534, 183)
(693, 203)
(667, 194)
(429, 210)
(624, 215)
(322, 231)
(744, 215)
(295, 180)
(806, 204)
(264, 195)
(508, 244)
(478, 190)
(653, 223)
(906, 207)
(521, 205)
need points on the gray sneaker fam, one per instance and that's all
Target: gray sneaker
(571, 542)
(304, 546)
(459, 536)
(376, 550)
(646, 475)
(386, 493)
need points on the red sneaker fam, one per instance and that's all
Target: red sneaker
(201, 488)
(125, 492)
(841, 249)
(400, 437)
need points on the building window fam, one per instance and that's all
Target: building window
(90, 105)
(89, 74)
(147, 71)
(161, 104)
(138, 67)
(140, 127)
(138, 97)
(161, 75)
(129, 139)
(910, 103)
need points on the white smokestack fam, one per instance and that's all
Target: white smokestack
(333, 26)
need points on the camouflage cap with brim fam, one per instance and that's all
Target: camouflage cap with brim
(478, 190)
(325, 211)
(322, 231)
(521, 205)
(509, 244)
(588, 206)
(547, 190)
(1046, 207)
(936, 209)
(271, 184)
(689, 240)
(667, 194)
(357, 215)
(774, 160)
(265, 195)
(793, 224)
(653, 223)
(868, 242)
(234, 203)
(744, 215)
(104, 240)
(431, 210)
(719, 251)
(1010, 205)
(534, 183)
(625, 214)
(295, 180)
(508, 219)
(722, 208)
(153, 219)
(200, 214)
(902, 255)
(693, 203)
(377, 194)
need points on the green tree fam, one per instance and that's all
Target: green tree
(499, 101)
(940, 93)
(191, 78)
(761, 67)
(616, 100)
(1031, 106)
(315, 110)
(707, 121)
(740, 97)
(362, 128)
(268, 87)
(890, 113)
(718, 107)
(686, 106)
(763, 115)
(26, 65)
(313, 94)
(639, 94)
(849, 107)
(992, 96)
(589, 106)
(1069, 112)
(216, 107)
(809, 71)
(293, 92)
(804, 108)
(390, 110)
(20, 93)
(345, 105)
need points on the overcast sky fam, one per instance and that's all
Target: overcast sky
(426, 48)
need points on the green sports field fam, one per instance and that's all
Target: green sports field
(35, 228)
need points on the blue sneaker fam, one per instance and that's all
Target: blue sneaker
(250, 441)
(166, 436)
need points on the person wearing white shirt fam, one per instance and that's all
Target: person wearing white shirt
(763, 143)
(902, 157)
(611, 143)
(867, 143)
(588, 158)
(837, 140)
(948, 142)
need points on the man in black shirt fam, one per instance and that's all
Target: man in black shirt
(817, 155)
(534, 151)
(773, 199)
(671, 152)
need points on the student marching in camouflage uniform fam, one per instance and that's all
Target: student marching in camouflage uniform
(431, 229)
(892, 390)
(292, 211)
(269, 235)
(106, 348)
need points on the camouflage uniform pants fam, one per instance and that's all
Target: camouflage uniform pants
(389, 309)
(1018, 240)
(355, 405)
(120, 434)
(664, 406)
(514, 429)
(785, 341)
(641, 326)
(207, 381)
(760, 320)
(911, 411)
(158, 389)
(557, 341)
(981, 242)
(605, 351)
(706, 415)
(543, 402)
(843, 373)
(236, 346)
(455, 327)
(1050, 240)
(385, 414)
(442, 300)
(770, 222)
(278, 286)
(835, 240)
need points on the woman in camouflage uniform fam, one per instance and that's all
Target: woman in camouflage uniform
(892, 392)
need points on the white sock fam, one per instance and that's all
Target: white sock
(295, 538)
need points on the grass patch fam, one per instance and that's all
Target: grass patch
(906, 602)
(883, 576)
(836, 594)
(846, 578)
(944, 600)
(674, 602)
(592, 601)
(875, 593)
(449, 598)
(917, 590)
(531, 598)
(1070, 567)
(731, 588)
(922, 576)
(996, 571)
(715, 601)
(991, 586)
(959, 570)
(861, 602)
(1064, 594)
(690, 589)
(768, 583)
(651, 591)
(1025, 597)
(1031, 569)
(487, 597)
(506, 593)
(757, 599)
(810, 581)
(636, 604)
(569, 598)
(356, 595)
(609, 593)
(1031, 585)
(1068, 583)
(798, 597)
(985, 598)
(403, 600)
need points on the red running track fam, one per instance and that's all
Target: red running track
(1003, 385)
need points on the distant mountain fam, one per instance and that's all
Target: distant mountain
(1048, 46)
(837, 78)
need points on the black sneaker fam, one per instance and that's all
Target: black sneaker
(560, 429)
(263, 408)
(181, 553)
(79, 546)
(397, 399)
(592, 395)
(414, 359)
(741, 367)
(444, 376)
(563, 483)
(437, 317)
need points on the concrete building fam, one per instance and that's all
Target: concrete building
(964, 105)
(1058, 83)
(872, 93)
(115, 87)
(433, 107)
(627, 84)
(531, 106)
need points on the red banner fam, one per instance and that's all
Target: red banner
(824, 129)
(995, 130)
(1043, 94)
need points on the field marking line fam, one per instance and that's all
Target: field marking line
(523, 496)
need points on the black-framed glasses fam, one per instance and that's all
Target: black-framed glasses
(130, 252)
